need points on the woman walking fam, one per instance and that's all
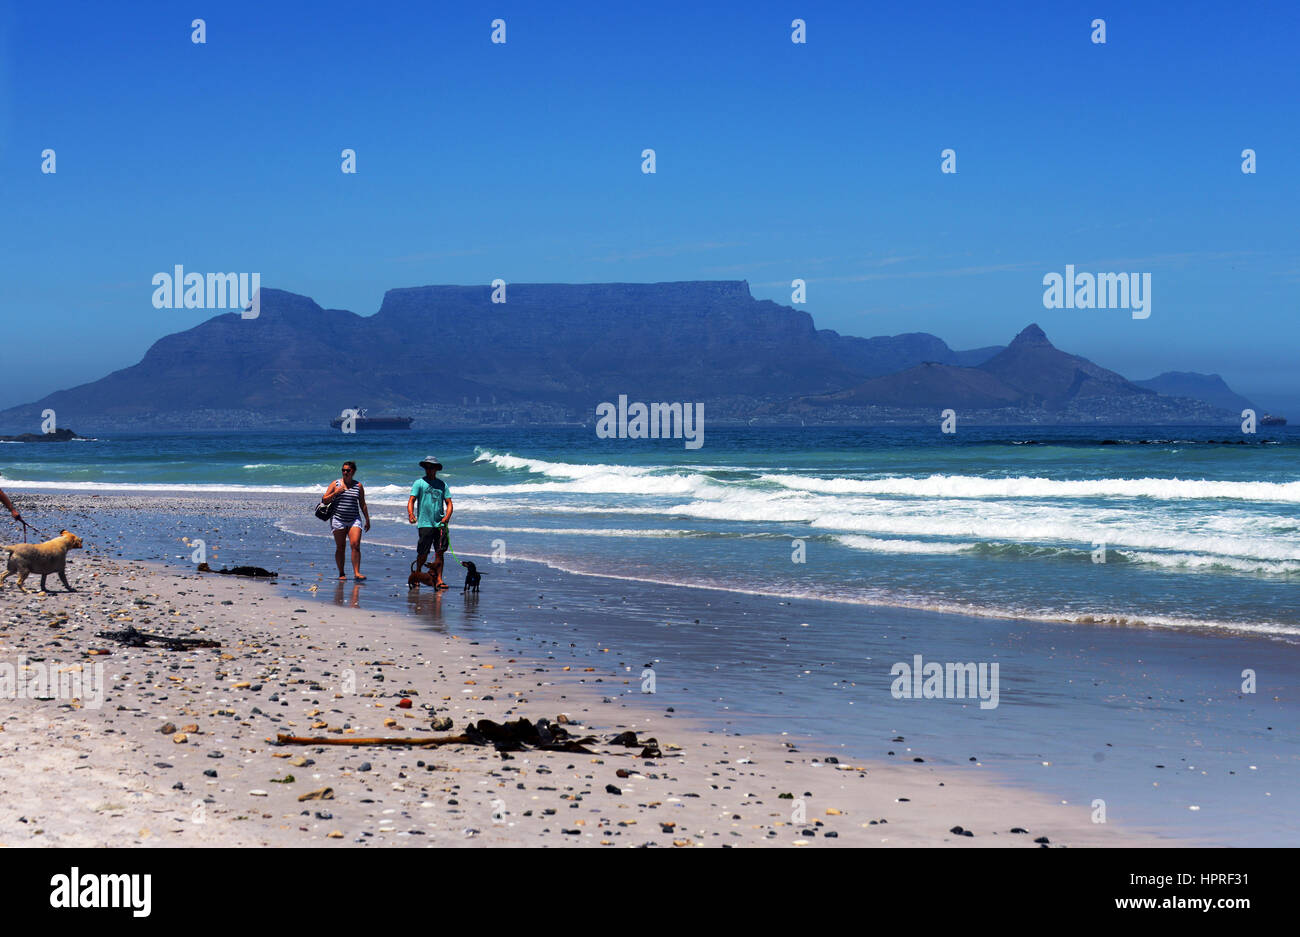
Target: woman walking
(350, 496)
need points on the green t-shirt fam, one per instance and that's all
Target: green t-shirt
(429, 498)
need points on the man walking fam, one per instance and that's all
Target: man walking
(9, 506)
(429, 508)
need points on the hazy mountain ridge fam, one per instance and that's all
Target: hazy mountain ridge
(552, 351)
(1030, 380)
(1208, 387)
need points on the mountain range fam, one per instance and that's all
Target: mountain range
(1031, 376)
(551, 352)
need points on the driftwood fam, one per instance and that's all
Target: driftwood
(133, 638)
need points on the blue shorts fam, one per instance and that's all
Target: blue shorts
(336, 524)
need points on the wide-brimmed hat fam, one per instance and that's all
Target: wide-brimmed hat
(430, 460)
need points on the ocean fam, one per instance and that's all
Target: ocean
(1136, 586)
(1162, 527)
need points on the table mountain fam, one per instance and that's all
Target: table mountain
(553, 351)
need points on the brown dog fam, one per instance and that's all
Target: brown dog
(41, 558)
(417, 578)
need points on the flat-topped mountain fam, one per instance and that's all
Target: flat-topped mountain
(586, 343)
(551, 352)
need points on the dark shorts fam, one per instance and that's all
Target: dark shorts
(434, 538)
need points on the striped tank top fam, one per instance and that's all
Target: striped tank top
(349, 504)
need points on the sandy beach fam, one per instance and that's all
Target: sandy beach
(182, 750)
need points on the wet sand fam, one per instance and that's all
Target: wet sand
(182, 751)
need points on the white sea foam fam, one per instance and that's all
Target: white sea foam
(631, 532)
(874, 545)
(913, 514)
(1194, 561)
(560, 469)
(974, 486)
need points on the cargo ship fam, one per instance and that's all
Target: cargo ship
(365, 422)
(1269, 419)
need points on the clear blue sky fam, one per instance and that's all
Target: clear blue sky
(775, 161)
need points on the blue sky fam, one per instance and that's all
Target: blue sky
(775, 161)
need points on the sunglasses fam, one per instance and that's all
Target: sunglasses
(346, 471)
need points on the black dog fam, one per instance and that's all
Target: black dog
(472, 576)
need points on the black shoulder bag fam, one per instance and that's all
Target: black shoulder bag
(326, 511)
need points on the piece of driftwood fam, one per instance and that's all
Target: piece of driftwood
(132, 638)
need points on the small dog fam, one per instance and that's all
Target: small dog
(41, 558)
(417, 578)
(472, 577)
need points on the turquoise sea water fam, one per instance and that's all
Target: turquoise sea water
(1196, 531)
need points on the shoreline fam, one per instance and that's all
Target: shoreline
(54, 492)
(713, 787)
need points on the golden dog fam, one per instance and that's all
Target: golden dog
(41, 558)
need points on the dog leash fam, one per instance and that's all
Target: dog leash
(25, 526)
(449, 549)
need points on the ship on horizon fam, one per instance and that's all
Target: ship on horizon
(362, 421)
(1269, 419)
